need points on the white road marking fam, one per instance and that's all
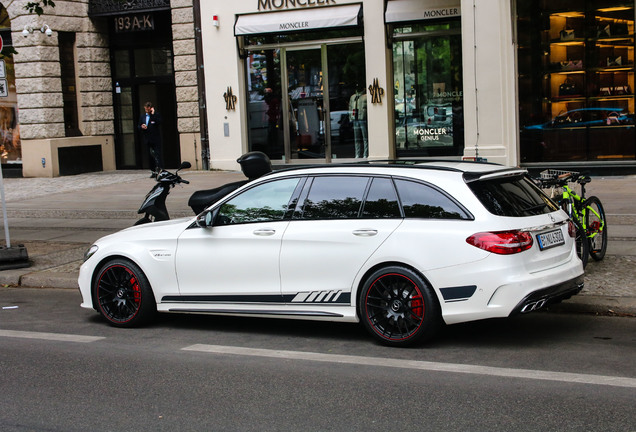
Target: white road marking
(567, 377)
(60, 337)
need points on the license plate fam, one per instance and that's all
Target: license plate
(550, 239)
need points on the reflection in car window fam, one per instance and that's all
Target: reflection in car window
(515, 197)
(421, 201)
(335, 197)
(265, 202)
(382, 200)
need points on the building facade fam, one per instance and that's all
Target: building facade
(80, 74)
(334, 80)
(519, 82)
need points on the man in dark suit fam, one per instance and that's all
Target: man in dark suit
(149, 123)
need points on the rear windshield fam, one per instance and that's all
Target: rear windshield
(512, 196)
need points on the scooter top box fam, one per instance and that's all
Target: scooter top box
(255, 164)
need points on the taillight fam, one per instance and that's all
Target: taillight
(502, 242)
(571, 229)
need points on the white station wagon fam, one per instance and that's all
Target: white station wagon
(401, 247)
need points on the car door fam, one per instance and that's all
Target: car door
(237, 258)
(333, 232)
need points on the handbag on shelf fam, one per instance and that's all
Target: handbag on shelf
(567, 34)
(621, 90)
(619, 28)
(568, 88)
(603, 31)
(615, 61)
(571, 65)
(605, 91)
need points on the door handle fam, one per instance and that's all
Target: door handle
(264, 232)
(365, 232)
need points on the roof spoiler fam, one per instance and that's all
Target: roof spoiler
(470, 177)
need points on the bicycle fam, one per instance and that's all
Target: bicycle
(587, 213)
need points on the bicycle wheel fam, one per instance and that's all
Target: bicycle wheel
(596, 227)
(582, 244)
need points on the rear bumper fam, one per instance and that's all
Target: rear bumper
(549, 295)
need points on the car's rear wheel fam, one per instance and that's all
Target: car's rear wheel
(398, 307)
(123, 294)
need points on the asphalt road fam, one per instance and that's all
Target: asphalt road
(63, 369)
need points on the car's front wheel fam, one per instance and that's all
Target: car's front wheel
(123, 294)
(398, 308)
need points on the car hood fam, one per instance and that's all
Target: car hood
(170, 229)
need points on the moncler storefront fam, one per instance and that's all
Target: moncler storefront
(337, 80)
(537, 84)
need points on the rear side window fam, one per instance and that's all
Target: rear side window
(382, 201)
(336, 197)
(422, 201)
(513, 196)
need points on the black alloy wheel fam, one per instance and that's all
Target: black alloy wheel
(123, 294)
(398, 308)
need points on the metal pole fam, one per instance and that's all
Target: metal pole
(4, 211)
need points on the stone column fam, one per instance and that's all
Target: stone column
(185, 71)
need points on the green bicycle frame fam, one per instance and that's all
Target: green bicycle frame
(578, 212)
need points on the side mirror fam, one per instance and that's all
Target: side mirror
(204, 220)
(185, 165)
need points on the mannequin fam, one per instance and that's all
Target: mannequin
(358, 117)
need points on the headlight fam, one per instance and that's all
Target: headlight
(89, 252)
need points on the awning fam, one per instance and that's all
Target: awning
(299, 19)
(414, 10)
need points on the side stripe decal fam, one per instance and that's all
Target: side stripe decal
(333, 297)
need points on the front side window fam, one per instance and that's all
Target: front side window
(336, 197)
(422, 201)
(262, 203)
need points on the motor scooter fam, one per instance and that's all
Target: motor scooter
(154, 205)
(253, 165)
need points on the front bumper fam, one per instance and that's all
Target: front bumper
(549, 295)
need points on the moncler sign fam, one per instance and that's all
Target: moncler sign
(293, 20)
(291, 4)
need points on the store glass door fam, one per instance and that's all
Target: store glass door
(305, 108)
(308, 102)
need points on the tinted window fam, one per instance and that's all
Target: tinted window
(265, 202)
(335, 197)
(382, 200)
(515, 196)
(422, 201)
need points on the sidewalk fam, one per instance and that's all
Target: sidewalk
(57, 219)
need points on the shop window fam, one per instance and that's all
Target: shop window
(153, 62)
(69, 90)
(576, 80)
(10, 144)
(427, 77)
